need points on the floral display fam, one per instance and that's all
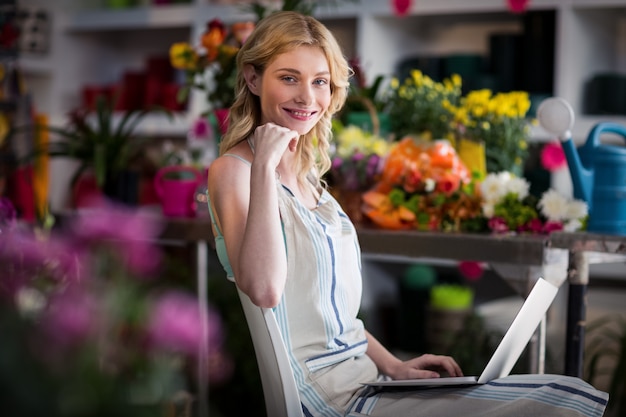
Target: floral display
(357, 158)
(420, 106)
(88, 326)
(499, 121)
(425, 186)
(210, 66)
(510, 208)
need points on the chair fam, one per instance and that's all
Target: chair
(279, 386)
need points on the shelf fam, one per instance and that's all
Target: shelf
(98, 20)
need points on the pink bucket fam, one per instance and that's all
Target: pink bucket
(176, 188)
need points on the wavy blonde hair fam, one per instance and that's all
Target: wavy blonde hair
(276, 34)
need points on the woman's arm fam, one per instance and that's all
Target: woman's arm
(425, 366)
(246, 205)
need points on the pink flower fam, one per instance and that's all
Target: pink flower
(471, 270)
(201, 129)
(176, 324)
(552, 156)
(498, 225)
(132, 235)
(552, 226)
(533, 226)
(71, 317)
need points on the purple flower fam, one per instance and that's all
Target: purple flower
(176, 325)
(71, 317)
(131, 232)
(336, 163)
(7, 212)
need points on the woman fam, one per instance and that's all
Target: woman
(288, 245)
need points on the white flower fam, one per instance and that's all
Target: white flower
(518, 186)
(576, 210)
(488, 209)
(429, 185)
(572, 225)
(493, 187)
(553, 205)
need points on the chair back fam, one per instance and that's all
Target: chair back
(279, 386)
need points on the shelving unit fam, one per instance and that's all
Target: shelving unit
(94, 45)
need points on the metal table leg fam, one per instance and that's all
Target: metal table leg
(578, 277)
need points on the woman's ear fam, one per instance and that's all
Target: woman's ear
(252, 79)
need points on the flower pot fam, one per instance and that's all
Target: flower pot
(176, 188)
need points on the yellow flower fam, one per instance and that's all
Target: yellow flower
(183, 56)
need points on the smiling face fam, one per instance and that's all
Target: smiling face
(294, 89)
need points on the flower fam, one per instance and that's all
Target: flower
(499, 121)
(552, 156)
(509, 207)
(210, 66)
(423, 185)
(419, 106)
(357, 158)
(88, 331)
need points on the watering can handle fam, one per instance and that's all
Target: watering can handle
(158, 184)
(604, 127)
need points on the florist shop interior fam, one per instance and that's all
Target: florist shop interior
(482, 146)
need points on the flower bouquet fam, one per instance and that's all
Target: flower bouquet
(424, 185)
(357, 159)
(211, 66)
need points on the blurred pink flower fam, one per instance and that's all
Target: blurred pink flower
(131, 233)
(471, 270)
(552, 156)
(70, 318)
(498, 225)
(176, 324)
(201, 129)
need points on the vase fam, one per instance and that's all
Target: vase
(472, 153)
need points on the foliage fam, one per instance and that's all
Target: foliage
(88, 330)
(98, 141)
(419, 105)
(211, 66)
(357, 158)
(607, 341)
(307, 7)
(499, 121)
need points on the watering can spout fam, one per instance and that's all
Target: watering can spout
(582, 177)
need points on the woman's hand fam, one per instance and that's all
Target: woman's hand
(425, 366)
(271, 141)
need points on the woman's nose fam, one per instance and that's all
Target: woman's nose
(305, 95)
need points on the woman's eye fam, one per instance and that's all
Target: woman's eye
(321, 81)
(289, 79)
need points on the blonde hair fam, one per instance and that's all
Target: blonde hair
(276, 34)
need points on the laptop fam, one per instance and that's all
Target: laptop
(508, 351)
